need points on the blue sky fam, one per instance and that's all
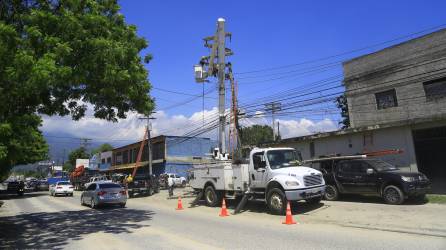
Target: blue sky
(265, 34)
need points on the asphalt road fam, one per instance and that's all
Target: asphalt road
(40, 221)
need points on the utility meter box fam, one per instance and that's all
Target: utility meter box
(199, 73)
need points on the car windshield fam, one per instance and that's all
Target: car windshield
(382, 165)
(283, 158)
(65, 183)
(109, 185)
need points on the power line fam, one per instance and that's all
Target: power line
(344, 53)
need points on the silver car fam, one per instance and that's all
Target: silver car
(104, 193)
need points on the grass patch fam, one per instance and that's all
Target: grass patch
(436, 198)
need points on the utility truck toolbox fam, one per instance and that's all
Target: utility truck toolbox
(275, 175)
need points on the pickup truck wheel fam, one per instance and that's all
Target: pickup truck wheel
(20, 193)
(393, 195)
(331, 193)
(276, 201)
(211, 196)
(183, 183)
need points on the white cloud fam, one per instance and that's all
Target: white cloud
(132, 128)
(294, 128)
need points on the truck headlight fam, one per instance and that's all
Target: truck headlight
(408, 178)
(292, 183)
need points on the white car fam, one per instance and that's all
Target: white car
(62, 188)
(177, 180)
(97, 179)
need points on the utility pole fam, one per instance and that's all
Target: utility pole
(273, 107)
(149, 140)
(216, 66)
(85, 142)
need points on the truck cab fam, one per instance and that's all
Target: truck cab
(278, 174)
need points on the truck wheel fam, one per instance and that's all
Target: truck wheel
(130, 194)
(211, 196)
(331, 193)
(276, 200)
(183, 183)
(20, 193)
(393, 195)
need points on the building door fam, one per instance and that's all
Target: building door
(430, 148)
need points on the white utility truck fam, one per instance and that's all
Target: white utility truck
(272, 174)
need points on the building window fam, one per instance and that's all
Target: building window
(435, 89)
(108, 159)
(312, 153)
(125, 157)
(386, 99)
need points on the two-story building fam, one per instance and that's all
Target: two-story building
(170, 154)
(397, 100)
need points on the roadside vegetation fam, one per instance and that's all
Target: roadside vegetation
(436, 198)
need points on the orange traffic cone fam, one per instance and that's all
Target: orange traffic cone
(180, 204)
(224, 211)
(289, 217)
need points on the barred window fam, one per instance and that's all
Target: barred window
(386, 99)
(435, 89)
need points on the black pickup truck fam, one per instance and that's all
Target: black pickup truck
(360, 175)
(142, 184)
(12, 187)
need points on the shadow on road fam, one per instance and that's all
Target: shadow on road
(54, 230)
(258, 206)
(24, 196)
(374, 199)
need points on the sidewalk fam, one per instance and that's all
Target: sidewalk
(366, 212)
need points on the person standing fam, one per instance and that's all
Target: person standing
(170, 184)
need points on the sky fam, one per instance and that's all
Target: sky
(281, 48)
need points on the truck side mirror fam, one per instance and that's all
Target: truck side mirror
(370, 171)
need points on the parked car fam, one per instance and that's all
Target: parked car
(62, 188)
(42, 186)
(361, 175)
(31, 185)
(178, 181)
(12, 186)
(104, 193)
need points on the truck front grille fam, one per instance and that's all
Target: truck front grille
(312, 180)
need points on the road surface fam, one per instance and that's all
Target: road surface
(40, 221)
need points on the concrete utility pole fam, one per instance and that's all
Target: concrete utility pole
(216, 69)
(273, 107)
(221, 83)
(149, 141)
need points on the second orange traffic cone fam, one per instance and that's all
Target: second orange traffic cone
(289, 217)
(180, 204)
(224, 211)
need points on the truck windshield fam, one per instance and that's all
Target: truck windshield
(283, 158)
(382, 165)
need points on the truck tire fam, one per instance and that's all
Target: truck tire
(211, 197)
(331, 193)
(276, 201)
(20, 193)
(183, 183)
(393, 195)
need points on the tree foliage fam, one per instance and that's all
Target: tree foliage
(56, 56)
(79, 153)
(256, 135)
(103, 148)
(341, 103)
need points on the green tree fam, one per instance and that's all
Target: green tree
(103, 148)
(256, 135)
(79, 153)
(341, 103)
(56, 56)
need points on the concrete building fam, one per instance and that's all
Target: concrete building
(397, 100)
(172, 154)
